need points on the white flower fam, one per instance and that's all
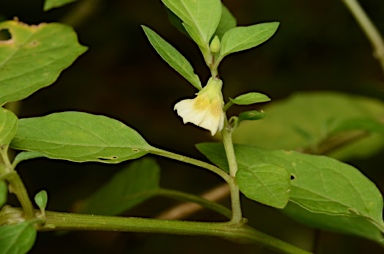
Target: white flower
(206, 110)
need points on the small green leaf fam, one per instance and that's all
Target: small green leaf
(127, 188)
(319, 184)
(34, 57)
(41, 199)
(200, 18)
(80, 137)
(17, 239)
(3, 193)
(173, 57)
(26, 155)
(243, 38)
(250, 98)
(50, 4)
(8, 126)
(251, 115)
(347, 225)
(227, 22)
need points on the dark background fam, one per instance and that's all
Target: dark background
(317, 47)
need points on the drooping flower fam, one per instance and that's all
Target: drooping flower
(206, 110)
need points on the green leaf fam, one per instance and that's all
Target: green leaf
(305, 119)
(200, 18)
(17, 239)
(8, 126)
(227, 22)
(320, 184)
(176, 60)
(3, 193)
(347, 225)
(265, 183)
(127, 188)
(259, 180)
(215, 153)
(34, 57)
(251, 115)
(50, 4)
(325, 185)
(250, 98)
(79, 137)
(26, 155)
(41, 199)
(243, 38)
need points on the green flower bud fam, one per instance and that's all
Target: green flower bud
(215, 45)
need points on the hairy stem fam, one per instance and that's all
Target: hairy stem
(191, 161)
(239, 233)
(234, 188)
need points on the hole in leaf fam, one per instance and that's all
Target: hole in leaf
(108, 159)
(5, 35)
(293, 177)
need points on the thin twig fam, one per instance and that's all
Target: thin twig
(368, 28)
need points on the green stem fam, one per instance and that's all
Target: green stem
(230, 179)
(195, 199)
(227, 105)
(369, 29)
(191, 161)
(232, 163)
(238, 233)
(16, 185)
(235, 202)
(5, 160)
(229, 150)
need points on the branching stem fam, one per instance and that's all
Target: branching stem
(16, 185)
(235, 232)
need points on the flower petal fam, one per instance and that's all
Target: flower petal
(206, 110)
